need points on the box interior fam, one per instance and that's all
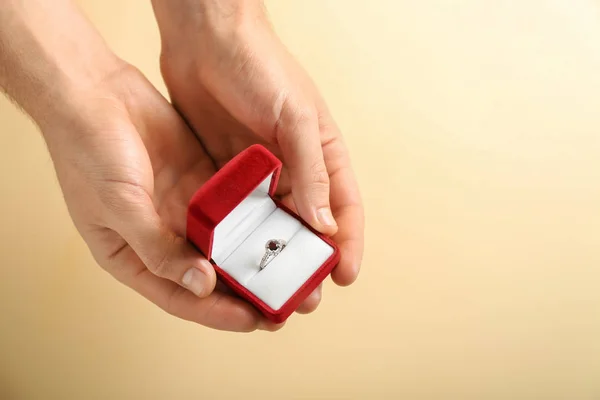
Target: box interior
(239, 245)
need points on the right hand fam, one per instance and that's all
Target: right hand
(128, 165)
(236, 84)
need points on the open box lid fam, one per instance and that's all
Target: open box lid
(231, 196)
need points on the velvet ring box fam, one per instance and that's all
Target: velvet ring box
(231, 218)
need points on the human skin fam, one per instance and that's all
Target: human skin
(236, 84)
(126, 161)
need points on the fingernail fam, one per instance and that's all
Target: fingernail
(325, 216)
(193, 279)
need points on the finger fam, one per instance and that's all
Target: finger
(284, 186)
(218, 311)
(288, 201)
(312, 301)
(350, 243)
(347, 208)
(300, 142)
(163, 252)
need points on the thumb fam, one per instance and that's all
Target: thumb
(300, 142)
(163, 252)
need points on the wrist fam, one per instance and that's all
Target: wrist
(73, 97)
(63, 95)
(180, 20)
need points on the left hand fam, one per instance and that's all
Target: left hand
(126, 162)
(236, 84)
(128, 166)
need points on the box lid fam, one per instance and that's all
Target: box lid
(252, 173)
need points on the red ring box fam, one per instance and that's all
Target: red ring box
(231, 218)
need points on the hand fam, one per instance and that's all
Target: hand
(128, 165)
(236, 85)
(126, 162)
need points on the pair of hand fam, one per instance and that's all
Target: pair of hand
(128, 162)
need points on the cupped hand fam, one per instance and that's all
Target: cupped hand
(235, 83)
(128, 165)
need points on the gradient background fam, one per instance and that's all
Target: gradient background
(473, 127)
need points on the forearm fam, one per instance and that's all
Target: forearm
(48, 52)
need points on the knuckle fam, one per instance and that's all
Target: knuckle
(121, 197)
(319, 175)
(161, 265)
(304, 114)
(303, 123)
(295, 116)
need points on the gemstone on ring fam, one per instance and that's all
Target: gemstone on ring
(273, 245)
(272, 249)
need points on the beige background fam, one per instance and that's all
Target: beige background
(474, 132)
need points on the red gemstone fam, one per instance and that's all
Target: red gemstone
(273, 246)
